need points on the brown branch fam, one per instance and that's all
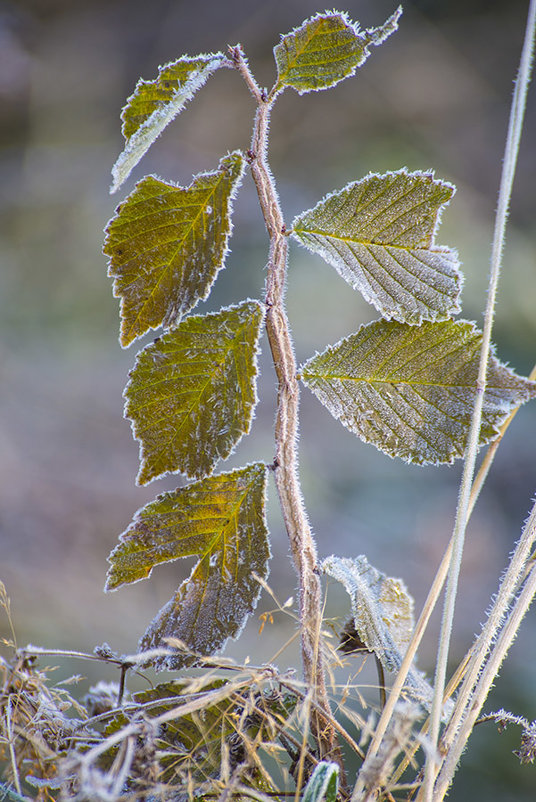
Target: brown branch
(285, 465)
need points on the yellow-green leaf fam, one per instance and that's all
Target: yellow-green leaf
(167, 243)
(378, 233)
(192, 393)
(410, 390)
(191, 745)
(154, 104)
(325, 49)
(221, 520)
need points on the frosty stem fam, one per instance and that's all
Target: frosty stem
(302, 544)
(510, 159)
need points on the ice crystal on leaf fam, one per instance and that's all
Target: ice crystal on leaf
(378, 233)
(383, 616)
(324, 783)
(410, 390)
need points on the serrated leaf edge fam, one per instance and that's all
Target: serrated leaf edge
(432, 247)
(138, 144)
(388, 651)
(169, 661)
(256, 354)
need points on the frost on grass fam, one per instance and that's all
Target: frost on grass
(326, 49)
(377, 768)
(410, 390)
(154, 104)
(221, 520)
(192, 393)
(167, 243)
(383, 617)
(378, 233)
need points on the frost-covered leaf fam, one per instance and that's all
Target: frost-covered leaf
(410, 390)
(167, 243)
(221, 520)
(381, 605)
(378, 233)
(324, 783)
(154, 104)
(230, 715)
(383, 615)
(325, 49)
(192, 393)
(190, 746)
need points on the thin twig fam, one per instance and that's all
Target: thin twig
(8, 793)
(381, 681)
(303, 748)
(407, 662)
(333, 721)
(431, 601)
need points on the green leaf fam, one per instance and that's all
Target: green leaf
(221, 520)
(192, 393)
(323, 784)
(190, 745)
(232, 720)
(383, 617)
(378, 233)
(167, 243)
(324, 50)
(154, 104)
(410, 390)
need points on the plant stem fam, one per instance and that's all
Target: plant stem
(488, 675)
(302, 544)
(467, 709)
(510, 159)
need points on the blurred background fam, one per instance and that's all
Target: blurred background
(435, 95)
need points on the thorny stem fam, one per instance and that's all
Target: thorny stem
(302, 544)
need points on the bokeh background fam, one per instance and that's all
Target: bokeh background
(435, 95)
